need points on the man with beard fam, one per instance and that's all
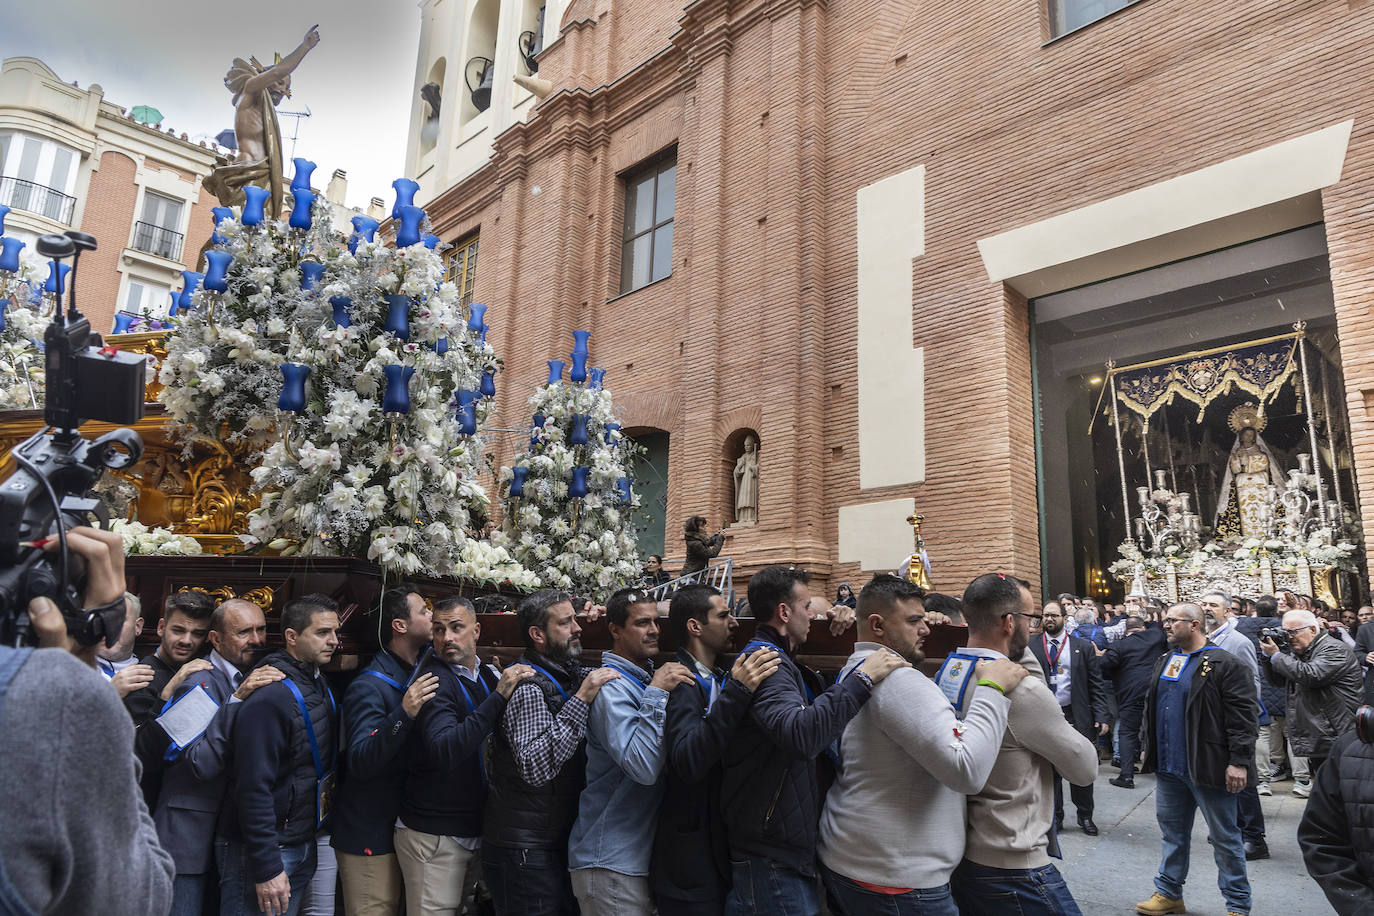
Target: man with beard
(1071, 669)
(193, 786)
(1010, 837)
(181, 635)
(440, 826)
(892, 830)
(691, 860)
(282, 774)
(612, 838)
(1201, 719)
(538, 765)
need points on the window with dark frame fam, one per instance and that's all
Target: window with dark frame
(460, 266)
(1071, 15)
(646, 252)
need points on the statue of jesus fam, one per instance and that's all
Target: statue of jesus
(257, 91)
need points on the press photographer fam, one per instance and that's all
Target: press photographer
(1322, 679)
(76, 836)
(1336, 833)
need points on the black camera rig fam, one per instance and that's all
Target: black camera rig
(49, 493)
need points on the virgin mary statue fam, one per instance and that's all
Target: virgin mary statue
(1250, 469)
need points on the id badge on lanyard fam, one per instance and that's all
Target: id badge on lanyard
(324, 779)
(1173, 668)
(954, 677)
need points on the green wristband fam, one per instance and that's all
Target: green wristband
(987, 682)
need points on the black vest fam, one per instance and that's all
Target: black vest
(519, 815)
(299, 823)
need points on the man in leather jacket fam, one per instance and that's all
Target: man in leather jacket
(1322, 677)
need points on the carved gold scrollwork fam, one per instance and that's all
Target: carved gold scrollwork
(262, 596)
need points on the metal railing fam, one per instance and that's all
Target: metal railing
(158, 240)
(36, 198)
(720, 574)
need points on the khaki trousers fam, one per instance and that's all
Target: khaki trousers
(439, 874)
(371, 884)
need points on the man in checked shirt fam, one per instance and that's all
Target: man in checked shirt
(538, 765)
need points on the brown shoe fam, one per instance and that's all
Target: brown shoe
(1159, 905)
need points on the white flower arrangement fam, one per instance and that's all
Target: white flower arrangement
(140, 540)
(21, 354)
(582, 545)
(343, 477)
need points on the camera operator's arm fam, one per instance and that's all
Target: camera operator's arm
(1321, 667)
(103, 553)
(1326, 840)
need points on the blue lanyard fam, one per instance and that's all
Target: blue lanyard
(472, 707)
(629, 675)
(106, 668)
(382, 677)
(310, 726)
(557, 686)
(763, 644)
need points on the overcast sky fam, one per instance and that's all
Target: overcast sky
(174, 55)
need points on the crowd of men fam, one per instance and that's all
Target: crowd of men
(439, 784)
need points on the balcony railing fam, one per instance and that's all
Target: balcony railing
(159, 241)
(37, 198)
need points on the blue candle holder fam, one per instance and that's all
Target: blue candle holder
(598, 377)
(302, 200)
(122, 322)
(405, 195)
(217, 277)
(301, 180)
(4, 212)
(311, 274)
(4, 306)
(578, 373)
(408, 232)
(190, 282)
(173, 308)
(254, 204)
(396, 399)
(341, 305)
(467, 411)
(57, 278)
(220, 214)
(517, 481)
(578, 434)
(477, 320)
(292, 398)
(9, 254)
(536, 429)
(440, 346)
(364, 227)
(398, 316)
(555, 372)
(488, 386)
(623, 487)
(609, 431)
(577, 487)
(431, 241)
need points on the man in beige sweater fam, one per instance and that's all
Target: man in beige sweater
(1009, 841)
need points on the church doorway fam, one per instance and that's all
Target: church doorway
(1191, 430)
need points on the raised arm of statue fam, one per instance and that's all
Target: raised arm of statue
(283, 68)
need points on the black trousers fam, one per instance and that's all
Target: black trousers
(1130, 715)
(1082, 795)
(1250, 815)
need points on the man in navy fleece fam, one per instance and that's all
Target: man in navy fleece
(282, 771)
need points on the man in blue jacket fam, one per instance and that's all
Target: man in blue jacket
(770, 795)
(439, 829)
(612, 838)
(1129, 663)
(379, 709)
(282, 774)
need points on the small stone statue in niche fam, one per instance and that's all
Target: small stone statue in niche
(747, 484)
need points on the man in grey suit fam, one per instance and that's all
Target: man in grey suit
(194, 784)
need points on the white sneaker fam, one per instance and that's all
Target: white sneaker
(1264, 789)
(1302, 789)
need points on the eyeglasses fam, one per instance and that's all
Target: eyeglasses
(1036, 620)
(1173, 620)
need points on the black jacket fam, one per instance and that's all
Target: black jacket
(375, 728)
(1324, 687)
(1087, 693)
(446, 785)
(1271, 695)
(1336, 833)
(691, 860)
(1364, 644)
(1129, 662)
(1222, 715)
(272, 780)
(770, 794)
(700, 551)
(150, 743)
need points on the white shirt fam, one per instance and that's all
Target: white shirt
(229, 670)
(1062, 686)
(110, 669)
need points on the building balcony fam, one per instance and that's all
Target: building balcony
(156, 240)
(20, 194)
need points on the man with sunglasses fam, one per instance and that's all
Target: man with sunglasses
(1198, 737)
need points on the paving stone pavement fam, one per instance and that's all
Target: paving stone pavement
(1110, 873)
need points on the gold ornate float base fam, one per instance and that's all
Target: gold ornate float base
(1243, 579)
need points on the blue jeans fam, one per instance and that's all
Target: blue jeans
(1176, 802)
(765, 888)
(529, 882)
(852, 899)
(188, 895)
(1008, 891)
(238, 892)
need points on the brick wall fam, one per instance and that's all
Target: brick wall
(109, 217)
(781, 110)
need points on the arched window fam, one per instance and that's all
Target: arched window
(479, 71)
